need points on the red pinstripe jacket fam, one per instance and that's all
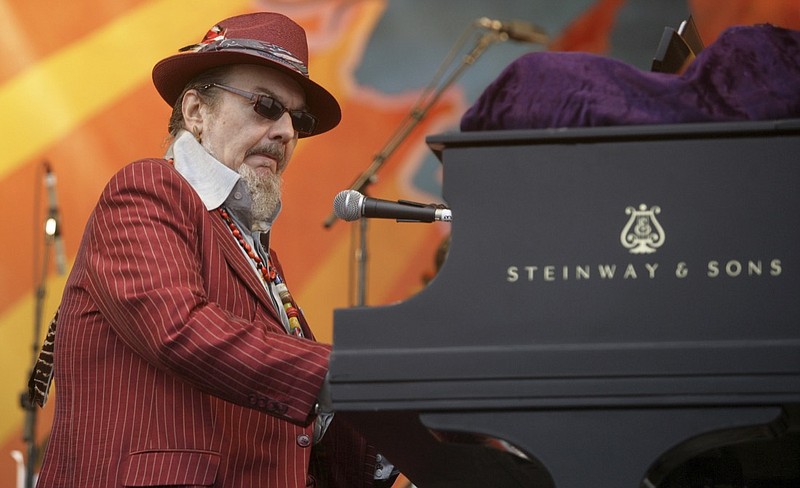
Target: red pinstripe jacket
(171, 365)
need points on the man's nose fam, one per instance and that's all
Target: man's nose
(283, 128)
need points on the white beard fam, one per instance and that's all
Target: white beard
(264, 190)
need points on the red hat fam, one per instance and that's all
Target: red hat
(266, 39)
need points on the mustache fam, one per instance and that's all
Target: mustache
(274, 151)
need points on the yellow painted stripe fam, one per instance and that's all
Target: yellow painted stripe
(53, 97)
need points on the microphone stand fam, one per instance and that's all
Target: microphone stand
(29, 429)
(418, 112)
(361, 262)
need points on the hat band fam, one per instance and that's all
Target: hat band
(271, 52)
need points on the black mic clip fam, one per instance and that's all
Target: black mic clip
(444, 216)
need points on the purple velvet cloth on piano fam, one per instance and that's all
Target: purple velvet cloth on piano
(748, 73)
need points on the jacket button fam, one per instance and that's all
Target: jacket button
(303, 440)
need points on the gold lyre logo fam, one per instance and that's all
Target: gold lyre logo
(642, 234)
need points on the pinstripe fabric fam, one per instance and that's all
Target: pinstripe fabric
(170, 363)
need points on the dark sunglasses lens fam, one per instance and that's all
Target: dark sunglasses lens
(303, 122)
(272, 109)
(269, 108)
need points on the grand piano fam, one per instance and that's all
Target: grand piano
(620, 307)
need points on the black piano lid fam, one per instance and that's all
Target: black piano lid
(438, 142)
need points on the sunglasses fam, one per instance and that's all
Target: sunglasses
(267, 107)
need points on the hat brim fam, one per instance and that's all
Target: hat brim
(170, 76)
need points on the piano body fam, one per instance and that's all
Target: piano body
(620, 307)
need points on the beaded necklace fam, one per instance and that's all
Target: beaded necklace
(269, 273)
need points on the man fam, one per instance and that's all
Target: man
(181, 358)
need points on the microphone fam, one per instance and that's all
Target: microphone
(518, 30)
(52, 226)
(351, 205)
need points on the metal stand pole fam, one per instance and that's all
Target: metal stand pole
(29, 429)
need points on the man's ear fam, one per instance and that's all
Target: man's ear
(193, 109)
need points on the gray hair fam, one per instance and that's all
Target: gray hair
(215, 75)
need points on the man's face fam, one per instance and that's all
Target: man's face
(235, 134)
